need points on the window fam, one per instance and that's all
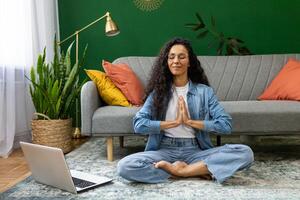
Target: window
(15, 34)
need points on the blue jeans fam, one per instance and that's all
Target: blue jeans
(222, 162)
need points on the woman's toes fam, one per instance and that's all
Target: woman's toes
(160, 164)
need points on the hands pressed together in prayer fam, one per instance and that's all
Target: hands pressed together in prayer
(182, 118)
(182, 113)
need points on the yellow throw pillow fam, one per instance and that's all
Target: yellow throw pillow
(107, 90)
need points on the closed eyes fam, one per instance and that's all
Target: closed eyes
(179, 56)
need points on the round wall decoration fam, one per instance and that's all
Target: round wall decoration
(148, 5)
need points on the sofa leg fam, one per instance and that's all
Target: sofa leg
(121, 141)
(110, 146)
(218, 140)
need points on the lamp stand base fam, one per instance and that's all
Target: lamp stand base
(76, 133)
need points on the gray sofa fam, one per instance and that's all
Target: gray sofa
(237, 81)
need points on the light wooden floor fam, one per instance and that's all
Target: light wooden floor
(14, 169)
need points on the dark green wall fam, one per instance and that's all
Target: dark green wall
(267, 26)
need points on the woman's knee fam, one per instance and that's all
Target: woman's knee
(248, 156)
(244, 153)
(130, 166)
(121, 167)
(124, 166)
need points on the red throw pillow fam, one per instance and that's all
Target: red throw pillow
(286, 85)
(126, 80)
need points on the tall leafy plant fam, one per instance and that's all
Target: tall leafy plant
(56, 86)
(227, 45)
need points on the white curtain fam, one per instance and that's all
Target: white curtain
(27, 26)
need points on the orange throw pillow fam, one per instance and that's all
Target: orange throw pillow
(126, 80)
(286, 85)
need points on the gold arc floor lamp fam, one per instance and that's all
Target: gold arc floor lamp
(111, 29)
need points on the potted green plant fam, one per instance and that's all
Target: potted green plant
(54, 89)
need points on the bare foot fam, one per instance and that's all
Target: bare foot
(182, 169)
(161, 164)
(179, 164)
(175, 169)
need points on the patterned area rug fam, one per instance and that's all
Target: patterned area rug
(274, 175)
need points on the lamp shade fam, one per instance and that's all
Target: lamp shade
(111, 29)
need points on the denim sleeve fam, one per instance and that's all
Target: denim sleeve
(142, 121)
(220, 121)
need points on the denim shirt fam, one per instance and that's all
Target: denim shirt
(202, 104)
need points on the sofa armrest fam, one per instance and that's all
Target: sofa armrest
(90, 101)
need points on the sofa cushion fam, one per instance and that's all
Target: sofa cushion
(113, 120)
(141, 66)
(106, 88)
(285, 86)
(125, 79)
(264, 116)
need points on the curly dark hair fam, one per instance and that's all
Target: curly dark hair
(161, 79)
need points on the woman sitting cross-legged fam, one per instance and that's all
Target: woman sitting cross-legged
(179, 113)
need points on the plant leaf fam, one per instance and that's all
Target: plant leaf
(198, 27)
(71, 79)
(220, 48)
(229, 50)
(199, 18)
(55, 91)
(39, 68)
(55, 63)
(239, 40)
(233, 42)
(83, 56)
(58, 107)
(190, 24)
(202, 34)
(32, 74)
(67, 61)
(45, 96)
(244, 51)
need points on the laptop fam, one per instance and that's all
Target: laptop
(48, 166)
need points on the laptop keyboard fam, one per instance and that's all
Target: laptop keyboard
(82, 183)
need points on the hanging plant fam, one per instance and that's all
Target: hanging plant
(227, 45)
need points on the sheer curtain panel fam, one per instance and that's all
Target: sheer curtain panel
(27, 26)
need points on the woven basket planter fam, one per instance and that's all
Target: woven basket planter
(53, 133)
